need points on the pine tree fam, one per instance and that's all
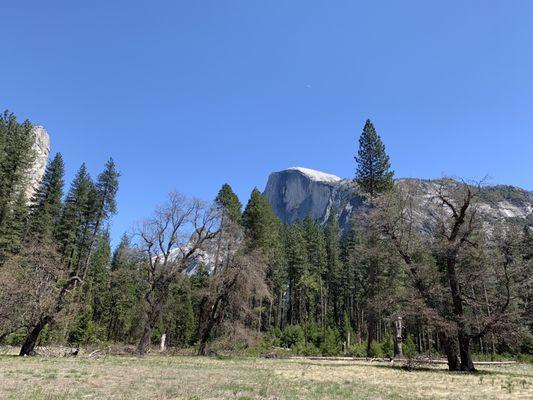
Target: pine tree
(16, 157)
(94, 298)
(260, 222)
(229, 203)
(177, 319)
(316, 246)
(373, 167)
(298, 272)
(46, 203)
(333, 268)
(124, 293)
(73, 224)
(107, 188)
(99, 277)
(317, 259)
(373, 176)
(263, 232)
(121, 253)
(229, 207)
(102, 204)
(14, 226)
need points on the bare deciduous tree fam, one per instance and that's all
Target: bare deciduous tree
(169, 241)
(229, 301)
(455, 240)
(39, 284)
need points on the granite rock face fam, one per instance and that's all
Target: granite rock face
(42, 152)
(298, 192)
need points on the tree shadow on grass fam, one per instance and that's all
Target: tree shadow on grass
(442, 371)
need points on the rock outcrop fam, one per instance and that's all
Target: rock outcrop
(295, 193)
(42, 152)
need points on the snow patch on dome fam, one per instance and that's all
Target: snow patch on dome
(316, 175)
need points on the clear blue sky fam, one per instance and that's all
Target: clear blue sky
(188, 95)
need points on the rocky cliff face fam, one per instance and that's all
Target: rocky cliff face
(298, 192)
(42, 152)
(295, 193)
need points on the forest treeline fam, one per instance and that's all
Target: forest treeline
(217, 276)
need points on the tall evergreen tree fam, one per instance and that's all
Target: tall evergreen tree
(124, 293)
(102, 205)
(177, 319)
(73, 223)
(373, 176)
(260, 222)
(298, 271)
(229, 203)
(14, 226)
(91, 310)
(46, 203)
(317, 259)
(87, 207)
(229, 206)
(373, 166)
(333, 268)
(263, 232)
(16, 157)
(316, 246)
(99, 277)
(121, 253)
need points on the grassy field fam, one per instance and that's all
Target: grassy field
(174, 377)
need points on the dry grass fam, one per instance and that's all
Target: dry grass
(172, 377)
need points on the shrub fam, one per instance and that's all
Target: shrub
(388, 346)
(260, 347)
(331, 346)
(292, 335)
(85, 331)
(310, 350)
(375, 349)
(409, 352)
(314, 334)
(358, 350)
(526, 358)
(273, 337)
(298, 348)
(15, 338)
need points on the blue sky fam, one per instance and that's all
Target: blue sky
(187, 95)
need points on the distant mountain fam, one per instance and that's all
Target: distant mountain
(297, 192)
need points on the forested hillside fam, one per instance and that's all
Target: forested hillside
(401, 277)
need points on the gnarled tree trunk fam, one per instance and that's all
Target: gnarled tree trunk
(450, 349)
(28, 347)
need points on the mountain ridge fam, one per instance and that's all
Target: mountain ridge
(298, 192)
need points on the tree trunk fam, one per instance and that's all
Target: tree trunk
(210, 324)
(450, 350)
(163, 343)
(371, 331)
(348, 339)
(464, 350)
(259, 315)
(153, 317)
(397, 328)
(462, 334)
(28, 347)
(142, 347)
